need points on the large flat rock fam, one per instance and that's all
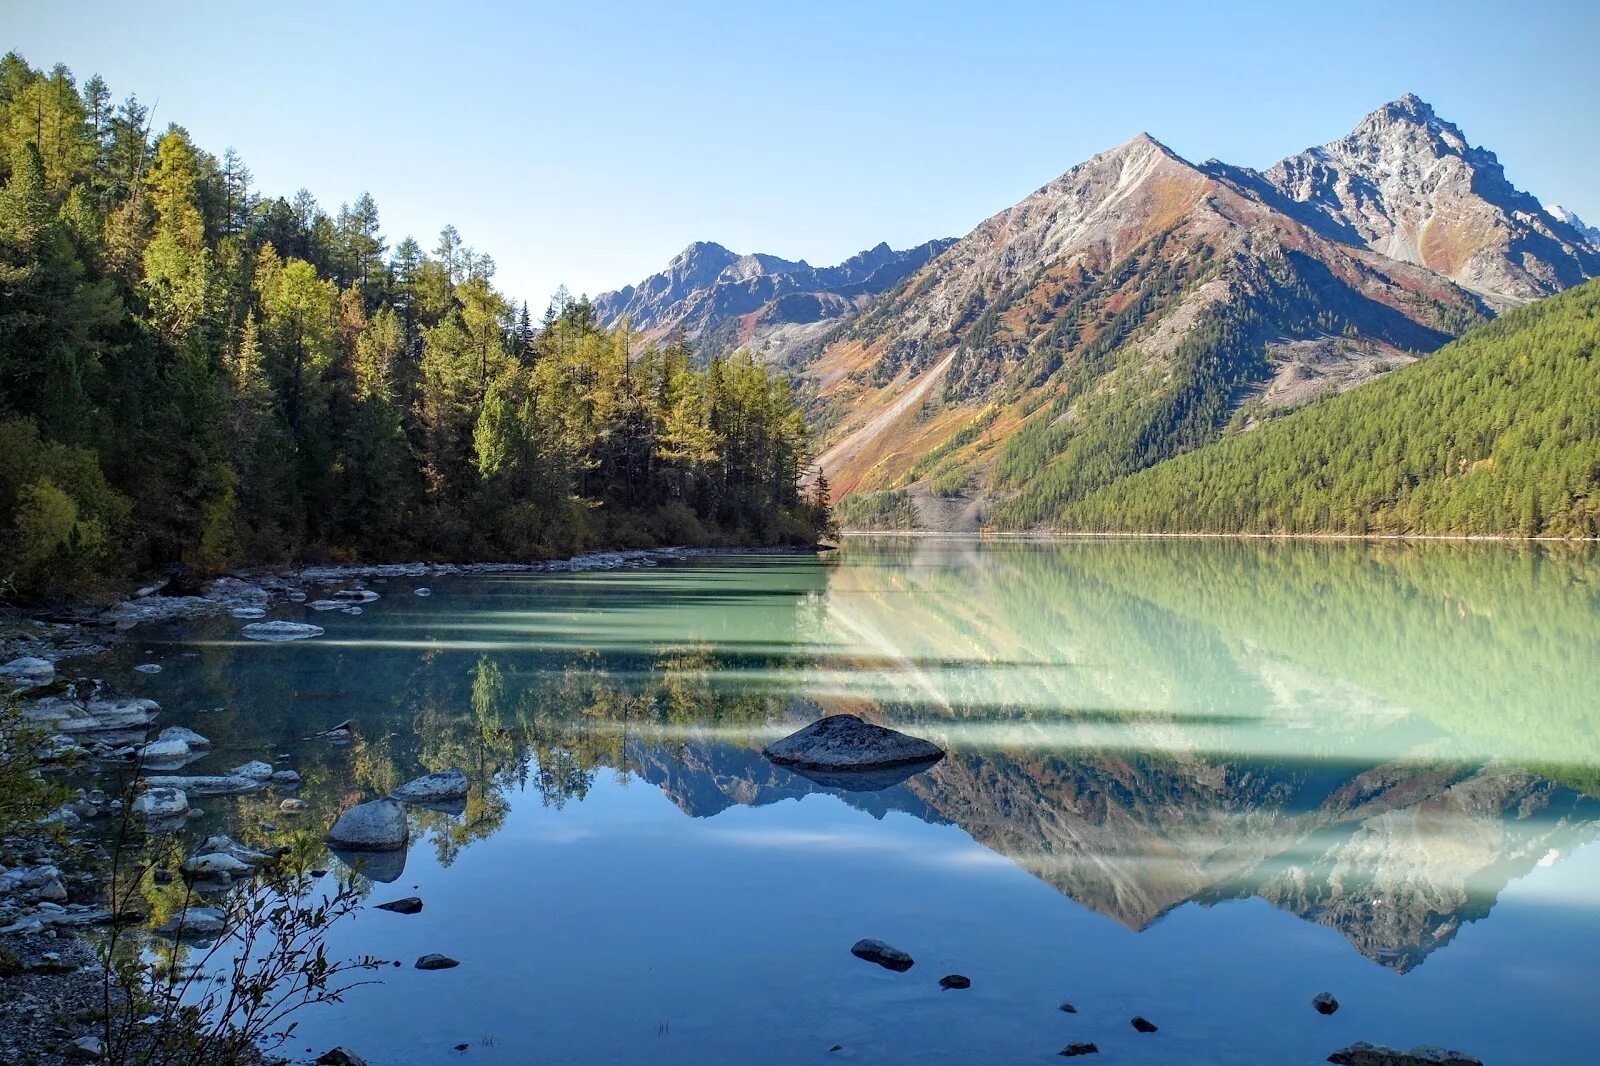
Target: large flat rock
(843, 742)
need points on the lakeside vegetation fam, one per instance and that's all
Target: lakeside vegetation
(194, 372)
(1496, 433)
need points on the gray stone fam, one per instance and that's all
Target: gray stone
(225, 845)
(164, 751)
(292, 806)
(206, 785)
(255, 771)
(161, 801)
(843, 742)
(187, 736)
(200, 922)
(408, 905)
(340, 1056)
(422, 592)
(1072, 1051)
(379, 825)
(436, 962)
(28, 671)
(285, 778)
(215, 865)
(85, 1049)
(954, 981)
(890, 958)
(148, 668)
(1365, 1054)
(97, 715)
(1324, 1003)
(438, 787)
(281, 630)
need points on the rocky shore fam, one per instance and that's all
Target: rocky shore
(52, 890)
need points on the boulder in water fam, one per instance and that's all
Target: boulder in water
(408, 905)
(435, 961)
(1365, 1054)
(161, 802)
(439, 787)
(28, 672)
(1324, 1003)
(281, 630)
(845, 743)
(1072, 1051)
(379, 825)
(890, 958)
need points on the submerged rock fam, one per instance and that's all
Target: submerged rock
(1072, 1051)
(28, 672)
(1365, 1054)
(439, 787)
(436, 961)
(98, 714)
(148, 668)
(255, 771)
(379, 825)
(225, 845)
(1067, 1008)
(1324, 1002)
(292, 806)
(207, 785)
(216, 864)
(843, 742)
(422, 592)
(203, 922)
(340, 1056)
(161, 802)
(408, 905)
(954, 980)
(281, 630)
(890, 958)
(188, 736)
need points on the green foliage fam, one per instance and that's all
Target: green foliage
(1498, 433)
(262, 383)
(893, 510)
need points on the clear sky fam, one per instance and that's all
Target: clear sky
(586, 143)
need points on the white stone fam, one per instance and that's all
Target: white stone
(280, 630)
(379, 825)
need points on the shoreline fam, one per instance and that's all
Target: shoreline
(1052, 535)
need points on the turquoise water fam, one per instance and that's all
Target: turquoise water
(1199, 781)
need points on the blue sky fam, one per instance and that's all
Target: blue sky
(586, 143)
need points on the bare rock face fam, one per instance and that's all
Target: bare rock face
(376, 826)
(843, 742)
(1408, 184)
(1365, 1054)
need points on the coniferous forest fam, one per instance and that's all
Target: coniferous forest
(196, 372)
(1497, 434)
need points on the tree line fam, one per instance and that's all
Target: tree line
(194, 372)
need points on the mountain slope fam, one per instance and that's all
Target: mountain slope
(722, 300)
(1497, 433)
(1141, 306)
(1408, 184)
(1122, 314)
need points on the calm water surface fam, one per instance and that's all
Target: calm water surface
(1198, 781)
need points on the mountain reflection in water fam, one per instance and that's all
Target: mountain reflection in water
(1376, 738)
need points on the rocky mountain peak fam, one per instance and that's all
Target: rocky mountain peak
(1409, 184)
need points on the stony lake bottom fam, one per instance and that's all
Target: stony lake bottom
(1198, 781)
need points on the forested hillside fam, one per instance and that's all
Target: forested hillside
(1498, 432)
(194, 372)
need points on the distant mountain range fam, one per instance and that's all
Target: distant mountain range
(1134, 309)
(722, 300)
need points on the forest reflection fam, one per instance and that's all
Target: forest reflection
(1375, 737)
